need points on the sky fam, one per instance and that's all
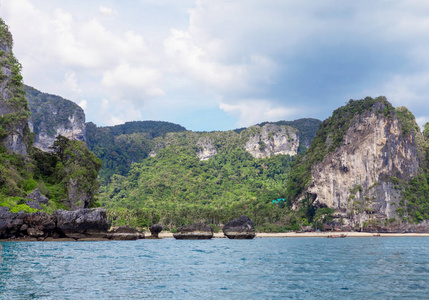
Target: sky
(218, 65)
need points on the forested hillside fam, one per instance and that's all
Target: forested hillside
(122, 145)
(207, 176)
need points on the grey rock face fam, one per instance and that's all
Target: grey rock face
(241, 228)
(196, 231)
(208, 150)
(82, 223)
(77, 199)
(355, 178)
(52, 116)
(15, 140)
(272, 140)
(10, 223)
(38, 197)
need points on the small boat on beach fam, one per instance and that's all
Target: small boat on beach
(334, 236)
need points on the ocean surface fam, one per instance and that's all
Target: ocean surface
(263, 268)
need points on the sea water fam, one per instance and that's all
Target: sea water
(263, 268)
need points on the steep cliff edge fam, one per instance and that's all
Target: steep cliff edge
(67, 176)
(52, 116)
(357, 159)
(14, 112)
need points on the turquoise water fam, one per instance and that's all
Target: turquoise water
(267, 268)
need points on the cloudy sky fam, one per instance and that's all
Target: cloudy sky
(218, 65)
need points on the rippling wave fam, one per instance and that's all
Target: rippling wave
(267, 268)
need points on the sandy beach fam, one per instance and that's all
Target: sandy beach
(258, 235)
(313, 234)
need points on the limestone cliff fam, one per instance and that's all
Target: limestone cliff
(259, 141)
(207, 150)
(367, 147)
(14, 113)
(52, 116)
(272, 140)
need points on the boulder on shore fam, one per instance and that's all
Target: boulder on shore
(241, 228)
(124, 233)
(198, 231)
(10, 223)
(155, 230)
(82, 223)
(37, 197)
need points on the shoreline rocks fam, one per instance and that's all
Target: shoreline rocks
(198, 231)
(241, 228)
(78, 224)
(155, 230)
(124, 233)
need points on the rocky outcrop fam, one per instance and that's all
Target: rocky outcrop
(82, 223)
(270, 140)
(207, 148)
(241, 228)
(52, 116)
(14, 113)
(124, 233)
(40, 224)
(357, 179)
(35, 198)
(422, 227)
(155, 230)
(10, 223)
(196, 231)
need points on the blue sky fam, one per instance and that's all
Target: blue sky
(218, 65)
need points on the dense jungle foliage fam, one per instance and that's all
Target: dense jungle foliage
(50, 173)
(414, 206)
(175, 188)
(122, 145)
(14, 111)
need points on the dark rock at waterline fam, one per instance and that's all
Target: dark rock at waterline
(82, 223)
(10, 223)
(198, 231)
(38, 224)
(241, 228)
(155, 230)
(124, 233)
(78, 224)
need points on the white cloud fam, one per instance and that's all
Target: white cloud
(83, 104)
(106, 11)
(126, 77)
(70, 82)
(229, 50)
(251, 112)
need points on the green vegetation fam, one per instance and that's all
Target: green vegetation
(122, 145)
(408, 121)
(50, 172)
(414, 206)
(14, 109)
(180, 189)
